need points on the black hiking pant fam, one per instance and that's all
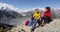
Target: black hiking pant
(46, 19)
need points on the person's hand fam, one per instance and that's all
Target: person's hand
(42, 15)
(34, 18)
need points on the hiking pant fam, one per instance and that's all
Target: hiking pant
(34, 25)
(46, 19)
(35, 22)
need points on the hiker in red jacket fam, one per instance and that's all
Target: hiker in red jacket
(46, 16)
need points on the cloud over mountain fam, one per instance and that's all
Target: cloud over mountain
(5, 6)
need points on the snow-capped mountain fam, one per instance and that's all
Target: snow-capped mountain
(7, 14)
(57, 13)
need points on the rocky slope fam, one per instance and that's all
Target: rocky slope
(54, 26)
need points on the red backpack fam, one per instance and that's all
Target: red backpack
(26, 23)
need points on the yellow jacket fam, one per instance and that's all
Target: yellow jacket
(36, 15)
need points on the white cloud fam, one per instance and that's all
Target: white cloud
(6, 5)
(9, 6)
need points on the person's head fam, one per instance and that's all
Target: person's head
(47, 9)
(37, 9)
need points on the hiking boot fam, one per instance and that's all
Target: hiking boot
(32, 30)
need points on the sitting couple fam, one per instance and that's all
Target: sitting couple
(37, 17)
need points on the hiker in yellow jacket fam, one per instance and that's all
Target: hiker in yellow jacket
(36, 14)
(36, 17)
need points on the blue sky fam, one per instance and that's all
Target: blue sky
(29, 4)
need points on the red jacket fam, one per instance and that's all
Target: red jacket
(46, 13)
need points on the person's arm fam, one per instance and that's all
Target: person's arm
(48, 14)
(38, 17)
(33, 15)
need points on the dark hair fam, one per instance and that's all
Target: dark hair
(48, 8)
